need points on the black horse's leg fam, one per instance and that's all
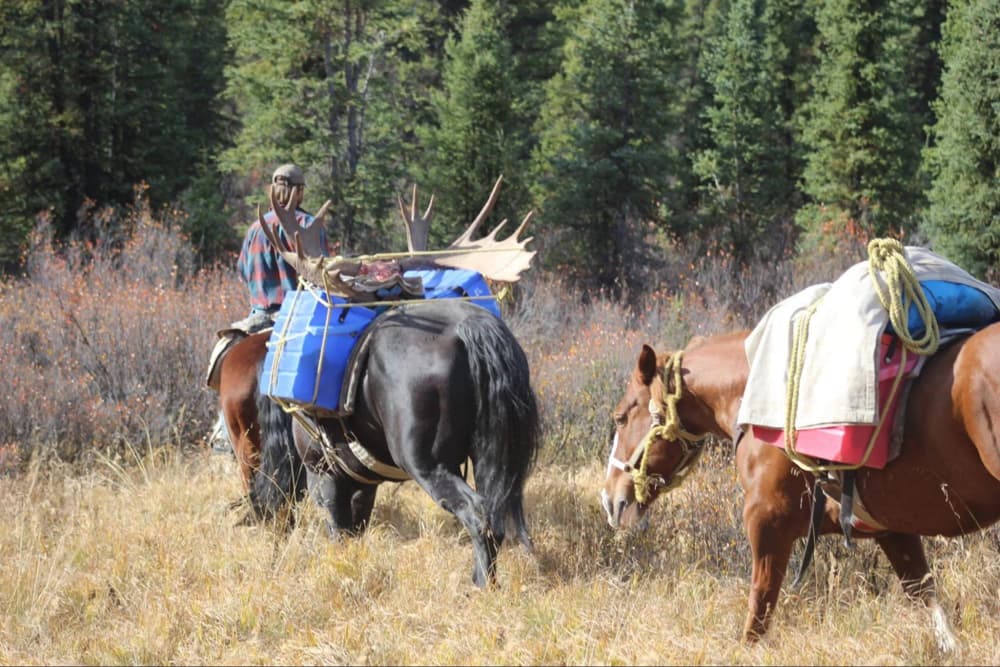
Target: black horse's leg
(362, 502)
(516, 509)
(450, 491)
(906, 554)
(329, 493)
(348, 504)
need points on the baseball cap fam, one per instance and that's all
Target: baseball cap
(290, 174)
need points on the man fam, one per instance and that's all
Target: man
(267, 275)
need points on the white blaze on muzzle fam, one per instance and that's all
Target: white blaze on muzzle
(656, 419)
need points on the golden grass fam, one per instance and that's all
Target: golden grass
(143, 565)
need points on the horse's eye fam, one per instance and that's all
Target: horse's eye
(620, 419)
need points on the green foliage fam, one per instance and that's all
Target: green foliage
(98, 97)
(863, 124)
(606, 156)
(750, 170)
(478, 136)
(319, 83)
(963, 220)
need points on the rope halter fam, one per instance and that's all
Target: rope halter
(663, 427)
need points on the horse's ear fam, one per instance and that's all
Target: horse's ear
(646, 366)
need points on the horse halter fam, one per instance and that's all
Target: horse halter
(662, 427)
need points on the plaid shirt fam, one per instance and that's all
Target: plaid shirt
(267, 275)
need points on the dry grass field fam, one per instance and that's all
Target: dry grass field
(118, 547)
(141, 564)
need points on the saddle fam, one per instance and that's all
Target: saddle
(228, 336)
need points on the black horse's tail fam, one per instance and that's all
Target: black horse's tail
(507, 434)
(281, 479)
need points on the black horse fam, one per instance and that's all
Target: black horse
(443, 382)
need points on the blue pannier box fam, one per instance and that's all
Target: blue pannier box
(451, 283)
(307, 353)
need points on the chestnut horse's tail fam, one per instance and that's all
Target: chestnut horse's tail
(506, 438)
(280, 481)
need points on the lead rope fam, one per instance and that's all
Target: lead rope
(669, 429)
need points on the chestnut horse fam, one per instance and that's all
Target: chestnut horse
(270, 486)
(945, 481)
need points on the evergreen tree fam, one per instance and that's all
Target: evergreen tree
(701, 22)
(607, 131)
(477, 136)
(863, 125)
(750, 171)
(963, 220)
(97, 97)
(321, 83)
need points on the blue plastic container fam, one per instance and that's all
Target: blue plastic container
(308, 350)
(451, 283)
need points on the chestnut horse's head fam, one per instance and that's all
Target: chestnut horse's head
(651, 452)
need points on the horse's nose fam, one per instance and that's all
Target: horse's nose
(608, 508)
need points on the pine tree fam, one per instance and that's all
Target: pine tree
(750, 172)
(963, 220)
(336, 87)
(99, 97)
(863, 125)
(477, 136)
(606, 155)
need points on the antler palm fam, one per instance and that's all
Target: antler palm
(304, 240)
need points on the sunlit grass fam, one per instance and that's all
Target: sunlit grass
(143, 564)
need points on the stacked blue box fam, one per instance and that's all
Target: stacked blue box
(451, 283)
(308, 350)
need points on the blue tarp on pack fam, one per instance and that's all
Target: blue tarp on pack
(315, 333)
(954, 305)
(308, 350)
(451, 283)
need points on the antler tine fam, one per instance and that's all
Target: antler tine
(269, 232)
(524, 223)
(406, 223)
(487, 207)
(417, 227)
(429, 213)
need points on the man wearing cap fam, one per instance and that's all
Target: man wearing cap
(267, 275)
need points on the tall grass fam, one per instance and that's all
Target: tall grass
(118, 547)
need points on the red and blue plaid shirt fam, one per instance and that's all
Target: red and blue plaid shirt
(267, 275)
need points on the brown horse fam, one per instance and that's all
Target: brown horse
(267, 492)
(946, 480)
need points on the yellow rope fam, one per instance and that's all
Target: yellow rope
(670, 429)
(902, 288)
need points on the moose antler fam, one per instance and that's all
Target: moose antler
(304, 240)
(417, 226)
(498, 260)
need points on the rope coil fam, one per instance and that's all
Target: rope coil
(900, 291)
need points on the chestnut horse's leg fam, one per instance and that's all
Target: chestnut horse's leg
(776, 511)
(241, 419)
(771, 546)
(906, 554)
(237, 398)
